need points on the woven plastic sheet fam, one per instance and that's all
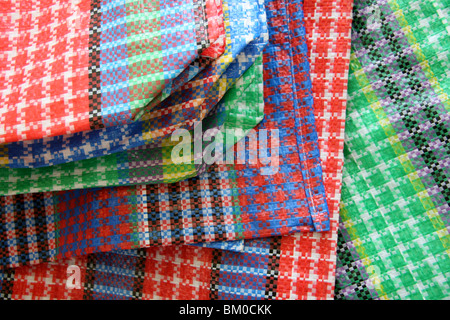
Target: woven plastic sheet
(70, 67)
(394, 228)
(94, 143)
(73, 222)
(246, 37)
(300, 266)
(90, 144)
(227, 202)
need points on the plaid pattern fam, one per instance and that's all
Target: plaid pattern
(241, 108)
(94, 143)
(394, 229)
(218, 205)
(75, 67)
(88, 220)
(305, 261)
(121, 168)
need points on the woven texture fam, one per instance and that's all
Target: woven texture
(62, 225)
(242, 108)
(227, 202)
(74, 67)
(94, 143)
(394, 229)
(300, 266)
(246, 37)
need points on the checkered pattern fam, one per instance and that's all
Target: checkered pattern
(75, 67)
(44, 69)
(143, 274)
(52, 226)
(212, 207)
(394, 212)
(122, 169)
(88, 220)
(255, 270)
(94, 143)
(205, 88)
(306, 262)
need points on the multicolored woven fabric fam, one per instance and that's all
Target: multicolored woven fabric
(394, 231)
(193, 102)
(227, 202)
(94, 143)
(242, 109)
(70, 67)
(82, 219)
(300, 266)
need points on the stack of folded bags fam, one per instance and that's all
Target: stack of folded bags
(224, 149)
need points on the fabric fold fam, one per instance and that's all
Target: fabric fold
(182, 109)
(76, 67)
(299, 266)
(82, 145)
(227, 202)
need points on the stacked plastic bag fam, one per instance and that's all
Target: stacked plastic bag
(195, 150)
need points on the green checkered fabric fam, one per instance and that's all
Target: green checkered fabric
(394, 240)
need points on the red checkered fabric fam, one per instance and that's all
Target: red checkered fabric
(64, 63)
(312, 256)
